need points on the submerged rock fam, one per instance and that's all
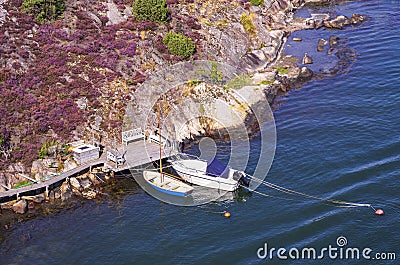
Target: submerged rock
(66, 195)
(89, 194)
(321, 45)
(333, 41)
(357, 18)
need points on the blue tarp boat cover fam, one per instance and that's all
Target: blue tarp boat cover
(216, 168)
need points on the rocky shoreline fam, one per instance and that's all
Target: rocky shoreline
(87, 185)
(273, 72)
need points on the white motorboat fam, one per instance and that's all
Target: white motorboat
(211, 174)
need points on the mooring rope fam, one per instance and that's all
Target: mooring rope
(297, 193)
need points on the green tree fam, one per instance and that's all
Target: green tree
(44, 10)
(151, 10)
(179, 44)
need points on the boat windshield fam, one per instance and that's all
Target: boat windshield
(217, 169)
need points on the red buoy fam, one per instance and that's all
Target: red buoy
(379, 212)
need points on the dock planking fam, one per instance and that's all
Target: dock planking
(141, 153)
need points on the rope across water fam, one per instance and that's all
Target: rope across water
(340, 203)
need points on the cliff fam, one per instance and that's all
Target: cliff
(72, 77)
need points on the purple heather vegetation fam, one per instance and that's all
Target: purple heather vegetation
(45, 69)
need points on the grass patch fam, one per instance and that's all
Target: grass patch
(21, 184)
(266, 82)
(194, 82)
(282, 70)
(240, 81)
(257, 2)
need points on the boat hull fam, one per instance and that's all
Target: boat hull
(167, 185)
(198, 177)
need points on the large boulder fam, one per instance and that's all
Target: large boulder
(85, 183)
(20, 207)
(307, 59)
(75, 183)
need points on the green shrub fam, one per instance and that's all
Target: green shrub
(281, 70)
(44, 150)
(247, 24)
(193, 82)
(151, 10)
(256, 2)
(179, 44)
(44, 10)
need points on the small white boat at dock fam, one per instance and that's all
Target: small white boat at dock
(167, 184)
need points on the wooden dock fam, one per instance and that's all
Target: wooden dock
(137, 153)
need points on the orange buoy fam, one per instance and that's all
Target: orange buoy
(379, 212)
(227, 214)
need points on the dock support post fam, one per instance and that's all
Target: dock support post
(46, 193)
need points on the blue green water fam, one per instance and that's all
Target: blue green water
(337, 137)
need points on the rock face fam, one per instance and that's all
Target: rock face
(44, 167)
(36, 199)
(20, 207)
(260, 59)
(218, 27)
(11, 176)
(340, 21)
(114, 15)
